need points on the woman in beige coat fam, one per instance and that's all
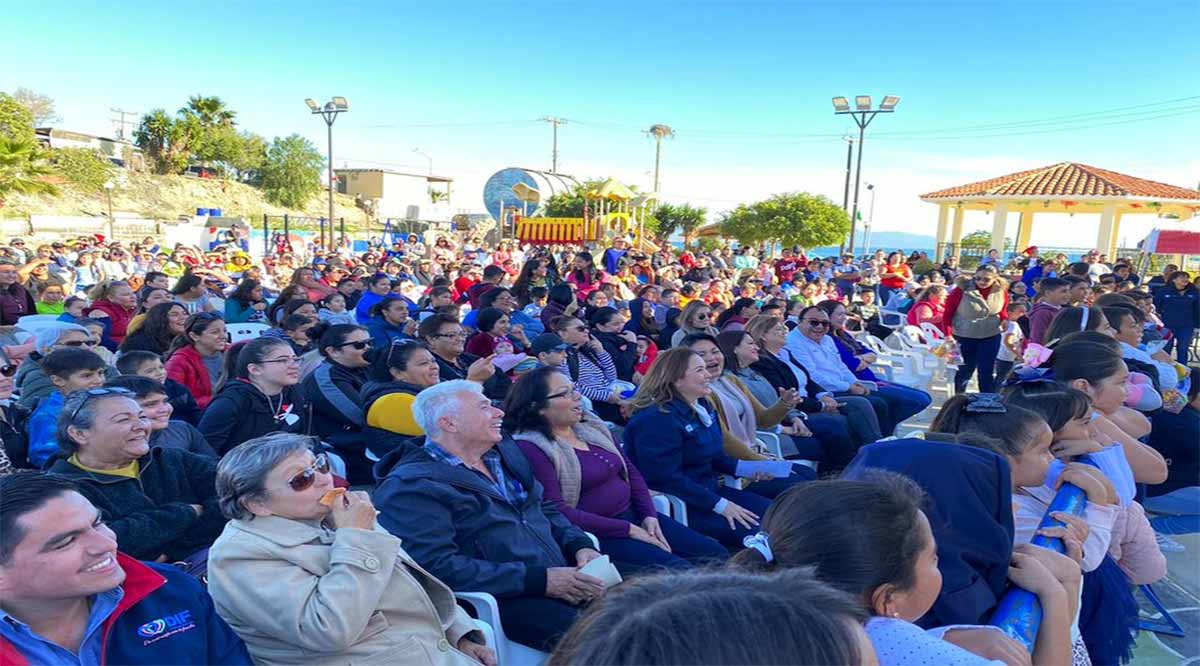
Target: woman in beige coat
(306, 583)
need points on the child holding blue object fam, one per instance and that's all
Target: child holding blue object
(869, 536)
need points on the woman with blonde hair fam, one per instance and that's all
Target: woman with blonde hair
(695, 318)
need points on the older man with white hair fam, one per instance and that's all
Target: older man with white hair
(471, 513)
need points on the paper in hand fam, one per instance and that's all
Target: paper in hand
(603, 569)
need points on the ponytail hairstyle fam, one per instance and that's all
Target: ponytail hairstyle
(1072, 320)
(1090, 355)
(394, 356)
(856, 535)
(239, 357)
(1054, 401)
(1016, 428)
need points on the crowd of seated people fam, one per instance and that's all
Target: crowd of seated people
(323, 490)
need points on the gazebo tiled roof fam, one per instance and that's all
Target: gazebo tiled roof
(1067, 179)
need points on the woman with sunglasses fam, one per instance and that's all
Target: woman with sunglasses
(591, 368)
(334, 390)
(695, 318)
(259, 395)
(305, 580)
(160, 502)
(975, 313)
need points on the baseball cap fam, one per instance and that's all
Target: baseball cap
(547, 342)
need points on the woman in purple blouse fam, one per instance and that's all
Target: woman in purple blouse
(591, 481)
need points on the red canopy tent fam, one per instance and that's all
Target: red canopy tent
(1172, 241)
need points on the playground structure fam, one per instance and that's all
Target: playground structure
(609, 211)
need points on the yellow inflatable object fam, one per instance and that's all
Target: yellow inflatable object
(394, 413)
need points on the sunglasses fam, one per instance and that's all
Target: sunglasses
(305, 478)
(357, 344)
(79, 343)
(817, 323)
(95, 393)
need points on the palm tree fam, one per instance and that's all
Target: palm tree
(165, 141)
(22, 170)
(210, 111)
(659, 132)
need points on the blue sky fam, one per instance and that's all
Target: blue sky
(745, 85)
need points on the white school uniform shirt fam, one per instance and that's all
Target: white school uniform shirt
(1013, 329)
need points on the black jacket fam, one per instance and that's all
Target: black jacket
(334, 392)
(457, 526)
(781, 376)
(495, 388)
(152, 515)
(240, 412)
(183, 402)
(13, 434)
(623, 352)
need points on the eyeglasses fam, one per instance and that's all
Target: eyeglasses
(80, 343)
(457, 334)
(357, 344)
(289, 360)
(95, 393)
(305, 478)
(568, 393)
(817, 323)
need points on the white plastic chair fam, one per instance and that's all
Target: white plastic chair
(508, 653)
(932, 333)
(242, 332)
(891, 319)
(671, 506)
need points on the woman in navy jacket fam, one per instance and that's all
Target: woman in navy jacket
(1178, 303)
(674, 437)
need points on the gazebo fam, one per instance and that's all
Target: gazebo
(1067, 187)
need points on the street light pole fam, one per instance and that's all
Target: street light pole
(846, 193)
(329, 114)
(870, 218)
(863, 114)
(108, 188)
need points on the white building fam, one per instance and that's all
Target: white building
(400, 195)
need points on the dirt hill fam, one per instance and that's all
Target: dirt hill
(168, 197)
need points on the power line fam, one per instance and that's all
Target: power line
(120, 121)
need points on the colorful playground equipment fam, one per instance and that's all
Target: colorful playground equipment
(610, 210)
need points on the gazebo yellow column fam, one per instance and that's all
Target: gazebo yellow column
(956, 231)
(1116, 229)
(943, 230)
(1107, 236)
(999, 221)
(1024, 229)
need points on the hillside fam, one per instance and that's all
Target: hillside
(168, 197)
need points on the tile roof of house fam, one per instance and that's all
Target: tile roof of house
(1067, 179)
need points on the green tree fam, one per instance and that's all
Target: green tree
(15, 120)
(247, 160)
(84, 168)
(683, 218)
(791, 218)
(977, 239)
(22, 168)
(292, 171)
(165, 141)
(40, 107)
(571, 203)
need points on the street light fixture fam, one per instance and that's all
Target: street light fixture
(427, 157)
(329, 113)
(870, 219)
(863, 114)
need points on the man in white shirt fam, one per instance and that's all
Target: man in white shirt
(810, 344)
(1096, 267)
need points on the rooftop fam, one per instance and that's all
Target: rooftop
(429, 177)
(1067, 179)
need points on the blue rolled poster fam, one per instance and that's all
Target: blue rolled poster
(1019, 614)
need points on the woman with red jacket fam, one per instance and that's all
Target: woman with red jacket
(930, 307)
(113, 300)
(194, 359)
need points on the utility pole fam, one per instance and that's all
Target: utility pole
(554, 122)
(120, 121)
(659, 132)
